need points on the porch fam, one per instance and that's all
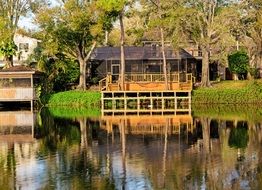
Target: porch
(17, 84)
(148, 82)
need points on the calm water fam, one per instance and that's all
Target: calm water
(214, 148)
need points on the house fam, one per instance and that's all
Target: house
(142, 59)
(145, 85)
(216, 70)
(25, 47)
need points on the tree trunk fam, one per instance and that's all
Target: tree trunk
(205, 68)
(82, 78)
(206, 134)
(164, 58)
(252, 63)
(82, 123)
(8, 61)
(122, 63)
(235, 76)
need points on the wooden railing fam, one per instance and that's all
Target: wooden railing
(103, 83)
(185, 78)
(19, 93)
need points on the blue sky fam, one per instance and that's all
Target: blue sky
(27, 23)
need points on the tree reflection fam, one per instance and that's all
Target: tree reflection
(238, 137)
(169, 153)
(69, 139)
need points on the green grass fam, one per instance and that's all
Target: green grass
(230, 92)
(88, 99)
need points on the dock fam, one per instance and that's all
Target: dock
(146, 94)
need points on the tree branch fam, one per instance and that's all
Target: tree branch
(90, 52)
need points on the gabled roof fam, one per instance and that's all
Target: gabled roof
(139, 53)
(19, 70)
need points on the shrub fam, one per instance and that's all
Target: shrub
(238, 62)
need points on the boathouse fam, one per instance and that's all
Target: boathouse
(144, 80)
(17, 84)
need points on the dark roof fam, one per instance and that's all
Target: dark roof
(18, 69)
(21, 70)
(139, 53)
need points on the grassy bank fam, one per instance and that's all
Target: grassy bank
(88, 99)
(226, 92)
(230, 92)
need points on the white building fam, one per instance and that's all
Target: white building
(25, 47)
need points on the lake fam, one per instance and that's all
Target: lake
(217, 147)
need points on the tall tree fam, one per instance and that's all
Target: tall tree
(207, 23)
(10, 14)
(250, 32)
(73, 29)
(119, 7)
(160, 9)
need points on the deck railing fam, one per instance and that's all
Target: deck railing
(184, 77)
(148, 78)
(103, 83)
(14, 94)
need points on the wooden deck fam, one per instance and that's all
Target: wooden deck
(149, 82)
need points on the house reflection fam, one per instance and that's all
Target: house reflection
(17, 147)
(17, 126)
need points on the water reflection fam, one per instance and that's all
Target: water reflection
(129, 151)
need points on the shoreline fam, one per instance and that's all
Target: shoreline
(223, 93)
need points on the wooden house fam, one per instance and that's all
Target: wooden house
(144, 68)
(17, 84)
(143, 59)
(145, 85)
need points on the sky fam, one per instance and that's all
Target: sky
(27, 23)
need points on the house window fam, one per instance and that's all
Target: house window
(23, 47)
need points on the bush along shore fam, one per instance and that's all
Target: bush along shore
(74, 98)
(230, 92)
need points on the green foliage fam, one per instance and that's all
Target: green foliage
(73, 29)
(238, 137)
(112, 5)
(254, 72)
(251, 93)
(238, 62)
(60, 73)
(8, 48)
(88, 99)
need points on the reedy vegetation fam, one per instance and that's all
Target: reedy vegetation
(246, 93)
(88, 99)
